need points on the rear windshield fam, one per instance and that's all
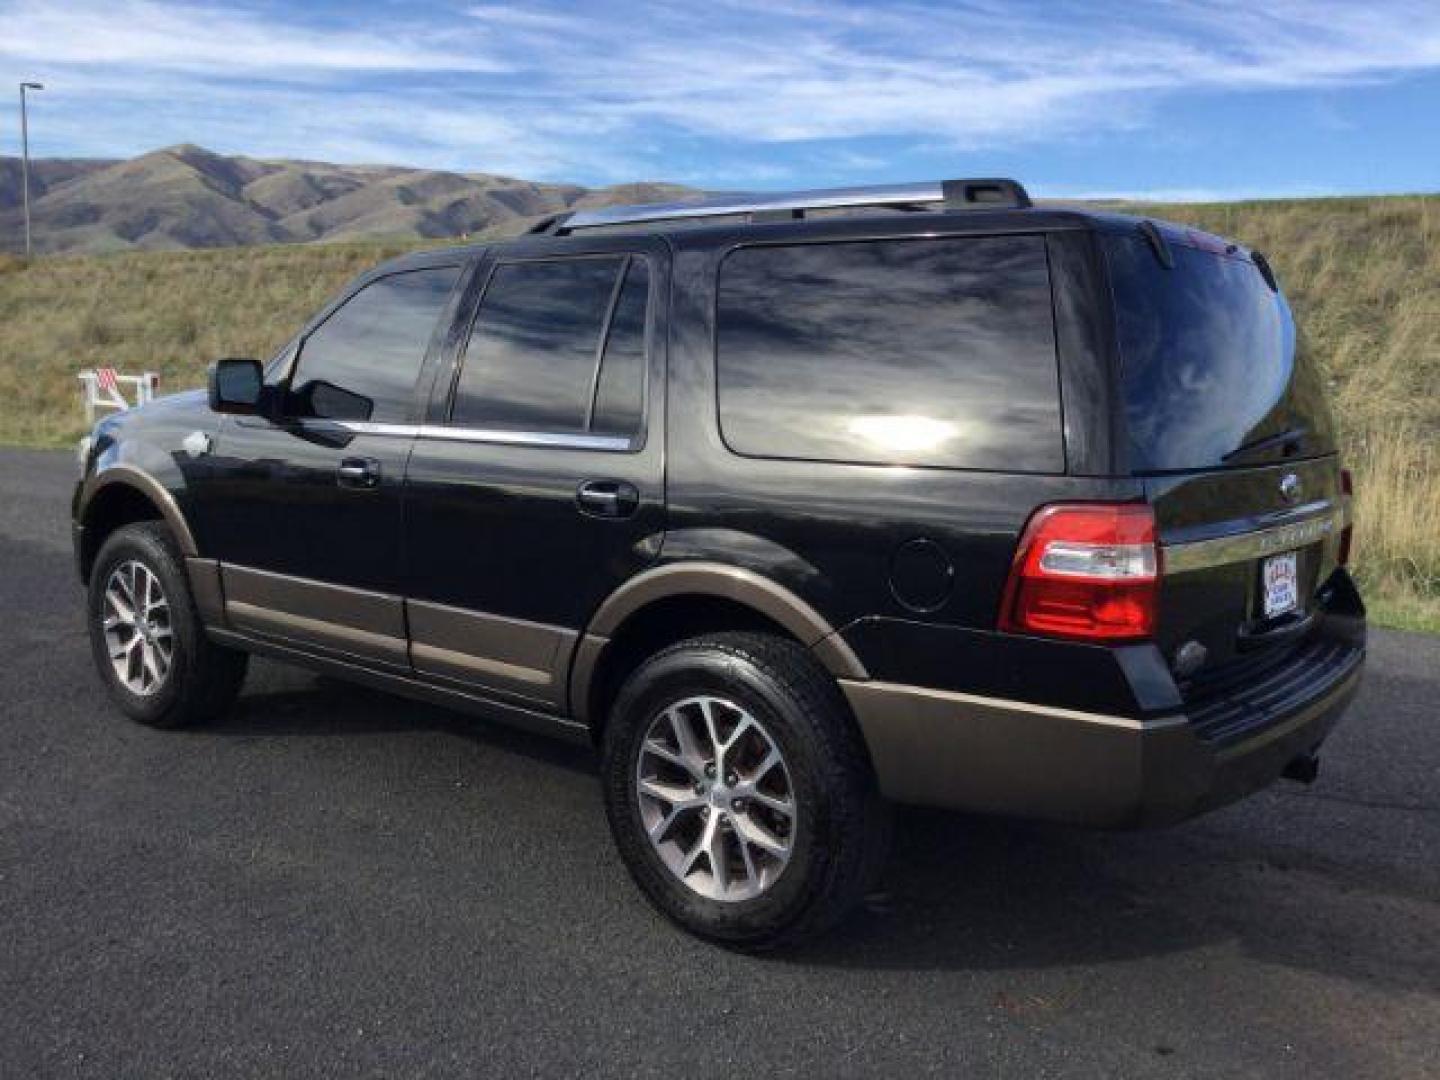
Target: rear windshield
(1212, 371)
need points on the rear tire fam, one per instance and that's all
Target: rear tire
(780, 736)
(147, 637)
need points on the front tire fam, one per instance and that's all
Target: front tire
(147, 638)
(739, 791)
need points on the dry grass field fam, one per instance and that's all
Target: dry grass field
(1363, 275)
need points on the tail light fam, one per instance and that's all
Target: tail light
(1085, 570)
(1347, 533)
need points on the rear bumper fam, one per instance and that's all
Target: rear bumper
(966, 752)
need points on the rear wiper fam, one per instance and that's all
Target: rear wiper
(1290, 439)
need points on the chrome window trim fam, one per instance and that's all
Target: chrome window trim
(1313, 527)
(366, 427)
(564, 440)
(578, 440)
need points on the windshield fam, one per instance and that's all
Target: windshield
(1212, 371)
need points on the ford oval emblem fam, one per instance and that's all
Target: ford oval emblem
(1290, 489)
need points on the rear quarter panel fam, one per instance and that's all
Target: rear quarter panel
(830, 532)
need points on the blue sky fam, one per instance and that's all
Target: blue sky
(1168, 99)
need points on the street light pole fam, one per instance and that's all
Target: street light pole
(25, 158)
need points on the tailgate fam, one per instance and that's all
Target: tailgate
(1228, 428)
(1246, 557)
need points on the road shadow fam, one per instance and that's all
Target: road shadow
(961, 892)
(970, 893)
(309, 704)
(1274, 877)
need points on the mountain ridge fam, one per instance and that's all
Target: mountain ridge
(187, 197)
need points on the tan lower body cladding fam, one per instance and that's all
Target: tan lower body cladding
(519, 657)
(489, 651)
(350, 621)
(991, 755)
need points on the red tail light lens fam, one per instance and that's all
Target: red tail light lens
(1085, 570)
(1347, 534)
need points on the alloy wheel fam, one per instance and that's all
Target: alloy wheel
(139, 636)
(715, 798)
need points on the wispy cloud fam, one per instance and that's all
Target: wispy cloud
(209, 40)
(619, 90)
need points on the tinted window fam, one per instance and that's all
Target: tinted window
(362, 362)
(530, 363)
(921, 352)
(1209, 360)
(619, 394)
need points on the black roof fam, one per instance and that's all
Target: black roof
(969, 206)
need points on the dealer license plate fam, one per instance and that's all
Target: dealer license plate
(1280, 584)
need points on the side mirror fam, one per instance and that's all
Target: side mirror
(236, 385)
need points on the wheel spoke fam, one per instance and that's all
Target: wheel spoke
(130, 583)
(741, 729)
(154, 599)
(764, 798)
(123, 580)
(685, 740)
(123, 610)
(152, 666)
(672, 794)
(716, 747)
(664, 753)
(701, 847)
(752, 877)
(756, 835)
(661, 828)
(771, 760)
(715, 854)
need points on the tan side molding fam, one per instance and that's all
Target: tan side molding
(731, 583)
(353, 621)
(491, 650)
(995, 755)
(746, 587)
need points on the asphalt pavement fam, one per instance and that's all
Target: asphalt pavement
(336, 882)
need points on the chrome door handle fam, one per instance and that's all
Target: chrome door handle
(358, 473)
(607, 498)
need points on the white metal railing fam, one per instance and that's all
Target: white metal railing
(102, 389)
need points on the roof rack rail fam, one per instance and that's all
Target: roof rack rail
(986, 193)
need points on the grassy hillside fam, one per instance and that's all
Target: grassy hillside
(188, 197)
(1362, 274)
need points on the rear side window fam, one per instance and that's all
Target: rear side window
(909, 352)
(362, 362)
(1211, 366)
(619, 392)
(558, 346)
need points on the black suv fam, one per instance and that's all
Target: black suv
(793, 506)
